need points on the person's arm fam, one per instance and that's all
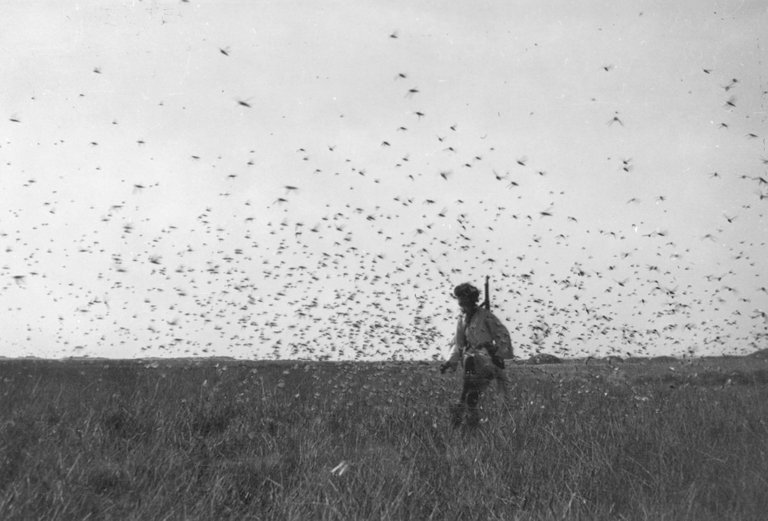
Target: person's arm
(455, 352)
(453, 360)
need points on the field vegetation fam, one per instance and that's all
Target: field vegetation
(208, 440)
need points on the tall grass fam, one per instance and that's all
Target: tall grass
(120, 440)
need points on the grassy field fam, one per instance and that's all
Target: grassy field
(281, 440)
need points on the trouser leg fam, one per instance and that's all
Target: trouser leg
(457, 410)
(473, 403)
(469, 365)
(502, 383)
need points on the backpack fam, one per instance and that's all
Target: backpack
(502, 338)
(499, 333)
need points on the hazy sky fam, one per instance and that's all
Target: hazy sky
(311, 179)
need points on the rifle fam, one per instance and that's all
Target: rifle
(497, 361)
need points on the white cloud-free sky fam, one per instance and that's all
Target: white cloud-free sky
(311, 179)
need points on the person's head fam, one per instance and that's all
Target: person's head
(467, 295)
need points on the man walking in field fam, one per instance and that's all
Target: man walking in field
(481, 344)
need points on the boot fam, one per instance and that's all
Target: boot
(456, 413)
(473, 417)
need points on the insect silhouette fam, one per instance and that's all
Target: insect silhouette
(616, 119)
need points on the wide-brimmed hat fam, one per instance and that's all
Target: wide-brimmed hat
(466, 291)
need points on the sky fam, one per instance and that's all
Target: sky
(310, 180)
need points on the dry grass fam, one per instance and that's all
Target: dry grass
(234, 440)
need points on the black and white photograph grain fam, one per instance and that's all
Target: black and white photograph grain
(387, 260)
